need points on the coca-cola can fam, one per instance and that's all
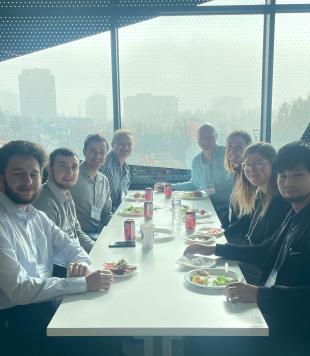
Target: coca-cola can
(149, 194)
(190, 220)
(168, 190)
(148, 209)
(129, 229)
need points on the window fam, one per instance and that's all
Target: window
(59, 95)
(291, 89)
(179, 72)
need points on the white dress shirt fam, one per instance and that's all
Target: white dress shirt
(30, 243)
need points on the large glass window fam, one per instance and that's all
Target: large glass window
(59, 95)
(291, 86)
(179, 72)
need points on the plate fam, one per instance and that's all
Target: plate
(140, 197)
(132, 211)
(195, 261)
(211, 274)
(200, 213)
(211, 231)
(192, 196)
(200, 238)
(160, 234)
(129, 270)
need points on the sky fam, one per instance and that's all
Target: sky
(194, 58)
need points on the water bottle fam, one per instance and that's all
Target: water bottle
(176, 212)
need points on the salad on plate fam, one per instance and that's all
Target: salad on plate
(211, 278)
(120, 268)
(132, 210)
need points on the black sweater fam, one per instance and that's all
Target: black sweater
(256, 229)
(286, 305)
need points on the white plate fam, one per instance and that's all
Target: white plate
(132, 198)
(125, 212)
(200, 238)
(206, 215)
(125, 275)
(196, 261)
(160, 234)
(187, 196)
(208, 231)
(213, 274)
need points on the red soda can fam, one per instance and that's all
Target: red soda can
(148, 209)
(190, 220)
(168, 190)
(129, 229)
(148, 194)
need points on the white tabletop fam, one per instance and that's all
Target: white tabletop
(155, 301)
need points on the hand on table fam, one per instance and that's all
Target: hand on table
(241, 292)
(201, 249)
(77, 270)
(100, 279)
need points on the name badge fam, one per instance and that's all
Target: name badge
(95, 214)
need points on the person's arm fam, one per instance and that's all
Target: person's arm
(106, 213)
(20, 288)
(86, 242)
(193, 183)
(254, 254)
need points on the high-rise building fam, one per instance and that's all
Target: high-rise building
(150, 108)
(37, 93)
(9, 102)
(96, 107)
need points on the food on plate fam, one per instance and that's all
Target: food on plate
(201, 212)
(200, 237)
(119, 268)
(139, 195)
(211, 231)
(223, 281)
(204, 278)
(196, 194)
(133, 210)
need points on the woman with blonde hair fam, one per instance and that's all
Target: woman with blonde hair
(257, 196)
(236, 143)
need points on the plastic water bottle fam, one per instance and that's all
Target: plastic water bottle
(176, 212)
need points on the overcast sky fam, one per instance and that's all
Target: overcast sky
(193, 58)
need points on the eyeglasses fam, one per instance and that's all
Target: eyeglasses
(258, 164)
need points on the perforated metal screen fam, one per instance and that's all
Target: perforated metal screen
(32, 25)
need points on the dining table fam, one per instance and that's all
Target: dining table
(157, 300)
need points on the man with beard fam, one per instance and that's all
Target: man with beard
(284, 292)
(29, 245)
(92, 193)
(55, 198)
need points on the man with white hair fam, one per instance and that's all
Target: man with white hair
(208, 171)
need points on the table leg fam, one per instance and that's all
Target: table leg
(148, 346)
(166, 346)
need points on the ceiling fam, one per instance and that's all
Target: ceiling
(32, 25)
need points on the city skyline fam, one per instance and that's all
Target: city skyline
(191, 58)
